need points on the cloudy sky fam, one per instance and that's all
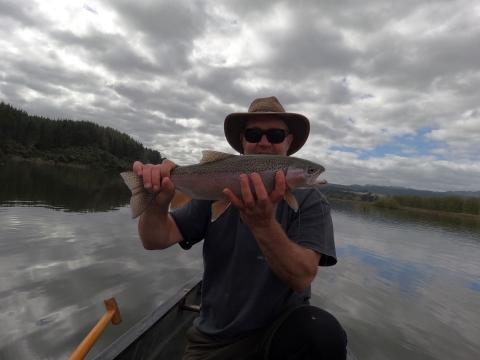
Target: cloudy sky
(391, 87)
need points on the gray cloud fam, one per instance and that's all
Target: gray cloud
(25, 15)
(221, 82)
(168, 72)
(168, 28)
(339, 92)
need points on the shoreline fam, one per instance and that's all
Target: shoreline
(49, 162)
(40, 161)
(449, 214)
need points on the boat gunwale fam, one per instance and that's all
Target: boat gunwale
(141, 327)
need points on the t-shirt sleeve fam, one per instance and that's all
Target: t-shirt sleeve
(192, 221)
(312, 227)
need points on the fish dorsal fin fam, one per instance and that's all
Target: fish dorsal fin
(211, 156)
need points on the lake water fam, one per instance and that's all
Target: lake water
(406, 286)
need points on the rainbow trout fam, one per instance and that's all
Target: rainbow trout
(217, 171)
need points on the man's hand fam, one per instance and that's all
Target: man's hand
(257, 210)
(156, 178)
(292, 263)
(156, 227)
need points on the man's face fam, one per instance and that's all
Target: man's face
(264, 146)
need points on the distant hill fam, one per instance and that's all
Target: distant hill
(376, 190)
(67, 142)
(458, 202)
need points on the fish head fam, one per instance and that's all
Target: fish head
(303, 173)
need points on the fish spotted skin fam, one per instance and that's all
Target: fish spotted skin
(217, 171)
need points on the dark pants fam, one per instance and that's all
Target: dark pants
(303, 333)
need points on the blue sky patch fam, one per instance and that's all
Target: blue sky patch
(475, 286)
(344, 148)
(405, 145)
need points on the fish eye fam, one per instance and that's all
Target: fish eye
(311, 170)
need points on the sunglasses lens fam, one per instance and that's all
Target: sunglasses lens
(275, 136)
(253, 135)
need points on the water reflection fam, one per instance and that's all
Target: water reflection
(405, 286)
(60, 187)
(449, 222)
(58, 267)
(406, 276)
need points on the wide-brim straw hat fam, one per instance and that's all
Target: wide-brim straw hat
(298, 125)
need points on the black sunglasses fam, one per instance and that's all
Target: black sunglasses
(275, 136)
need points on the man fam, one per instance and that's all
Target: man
(260, 256)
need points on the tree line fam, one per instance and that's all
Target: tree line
(68, 141)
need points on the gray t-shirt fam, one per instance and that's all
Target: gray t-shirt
(240, 292)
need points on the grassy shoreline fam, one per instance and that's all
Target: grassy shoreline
(449, 214)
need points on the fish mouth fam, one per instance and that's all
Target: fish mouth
(314, 179)
(317, 181)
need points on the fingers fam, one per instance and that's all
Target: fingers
(238, 203)
(254, 204)
(259, 187)
(165, 168)
(247, 196)
(156, 177)
(147, 176)
(153, 175)
(246, 200)
(278, 191)
(138, 168)
(170, 165)
(254, 193)
(167, 185)
(259, 193)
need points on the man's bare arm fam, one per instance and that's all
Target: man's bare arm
(156, 227)
(294, 264)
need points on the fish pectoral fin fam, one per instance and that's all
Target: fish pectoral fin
(211, 156)
(291, 200)
(179, 200)
(218, 208)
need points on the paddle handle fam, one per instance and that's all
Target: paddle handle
(112, 315)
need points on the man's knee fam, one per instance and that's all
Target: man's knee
(314, 329)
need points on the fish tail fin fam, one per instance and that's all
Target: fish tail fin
(140, 199)
(218, 208)
(140, 202)
(291, 200)
(132, 180)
